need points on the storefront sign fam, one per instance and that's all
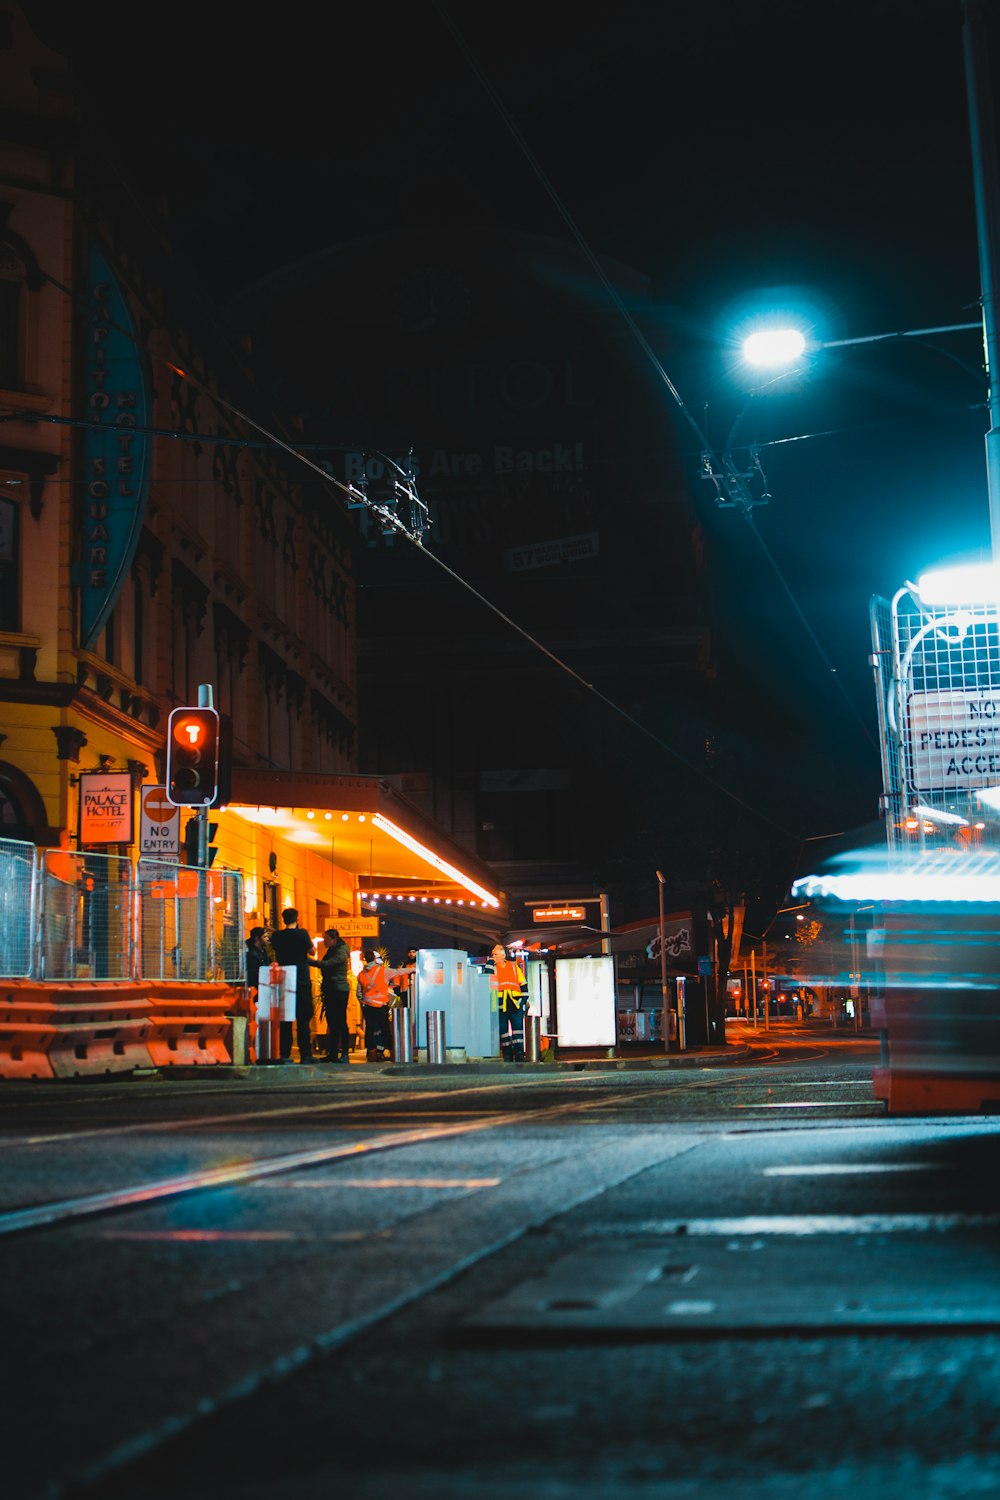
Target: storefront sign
(115, 448)
(106, 815)
(558, 913)
(355, 927)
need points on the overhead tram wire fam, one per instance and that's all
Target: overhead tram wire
(393, 522)
(723, 476)
(557, 661)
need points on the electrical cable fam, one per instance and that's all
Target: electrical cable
(706, 449)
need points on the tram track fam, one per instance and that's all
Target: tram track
(136, 1366)
(59, 1212)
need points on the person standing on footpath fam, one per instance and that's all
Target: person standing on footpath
(259, 956)
(373, 988)
(510, 986)
(293, 946)
(335, 989)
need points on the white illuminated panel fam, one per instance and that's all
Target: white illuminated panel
(585, 1002)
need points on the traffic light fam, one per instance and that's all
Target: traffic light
(191, 850)
(192, 757)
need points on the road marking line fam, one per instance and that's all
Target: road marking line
(807, 1224)
(837, 1169)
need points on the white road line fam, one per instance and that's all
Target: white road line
(838, 1169)
(809, 1224)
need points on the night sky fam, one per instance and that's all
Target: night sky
(737, 154)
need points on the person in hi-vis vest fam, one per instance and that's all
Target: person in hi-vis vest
(373, 992)
(508, 983)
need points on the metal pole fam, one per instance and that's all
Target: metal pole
(767, 993)
(605, 923)
(985, 180)
(753, 981)
(664, 996)
(201, 820)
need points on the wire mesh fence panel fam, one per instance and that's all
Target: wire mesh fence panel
(227, 926)
(189, 922)
(18, 888)
(938, 682)
(158, 899)
(85, 916)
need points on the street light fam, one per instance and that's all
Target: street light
(777, 347)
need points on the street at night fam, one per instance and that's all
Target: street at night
(500, 751)
(728, 1276)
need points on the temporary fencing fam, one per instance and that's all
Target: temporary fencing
(18, 888)
(106, 966)
(85, 908)
(189, 922)
(74, 915)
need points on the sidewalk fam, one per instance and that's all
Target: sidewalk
(584, 1059)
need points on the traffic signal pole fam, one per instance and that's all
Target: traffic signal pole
(204, 701)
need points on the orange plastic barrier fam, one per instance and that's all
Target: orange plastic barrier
(99, 1027)
(927, 1093)
(26, 1030)
(189, 1022)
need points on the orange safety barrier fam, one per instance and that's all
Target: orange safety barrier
(924, 1092)
(99, 1027)
(26, 1030)
(189, 1022)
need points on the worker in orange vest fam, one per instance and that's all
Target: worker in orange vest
(509, 985)
(373, 990)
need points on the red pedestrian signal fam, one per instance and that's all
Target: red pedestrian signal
(192, 757)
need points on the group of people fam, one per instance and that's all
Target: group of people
(379, 987)
(291, 946)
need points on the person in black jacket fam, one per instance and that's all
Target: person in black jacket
(258, 955)
(335, 990)
(293, 945)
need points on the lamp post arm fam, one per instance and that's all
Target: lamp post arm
(906, 333)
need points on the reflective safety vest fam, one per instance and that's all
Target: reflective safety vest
(374, 985)
(507, 980)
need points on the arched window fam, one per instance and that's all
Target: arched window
(13, 819)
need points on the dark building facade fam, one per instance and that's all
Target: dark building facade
(529, 669)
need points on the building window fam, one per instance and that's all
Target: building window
(138, 629)
(10, 571)
(10, 321)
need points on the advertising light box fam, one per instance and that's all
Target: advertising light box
(585, 1002)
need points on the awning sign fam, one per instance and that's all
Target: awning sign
(355, 927)
(106, 807)
(954, 740)
(159, 824)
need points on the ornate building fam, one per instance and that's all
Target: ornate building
(161, 532)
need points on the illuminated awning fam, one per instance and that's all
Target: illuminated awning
(368, 828)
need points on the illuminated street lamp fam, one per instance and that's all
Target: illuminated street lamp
(775, 348)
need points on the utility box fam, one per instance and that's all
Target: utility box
(448, 982)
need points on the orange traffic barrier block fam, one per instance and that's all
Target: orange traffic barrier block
(928, 1093)
(99, 1027)
(190, 1022)
(26, 1030)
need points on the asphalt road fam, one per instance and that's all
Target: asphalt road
(728, 1279)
